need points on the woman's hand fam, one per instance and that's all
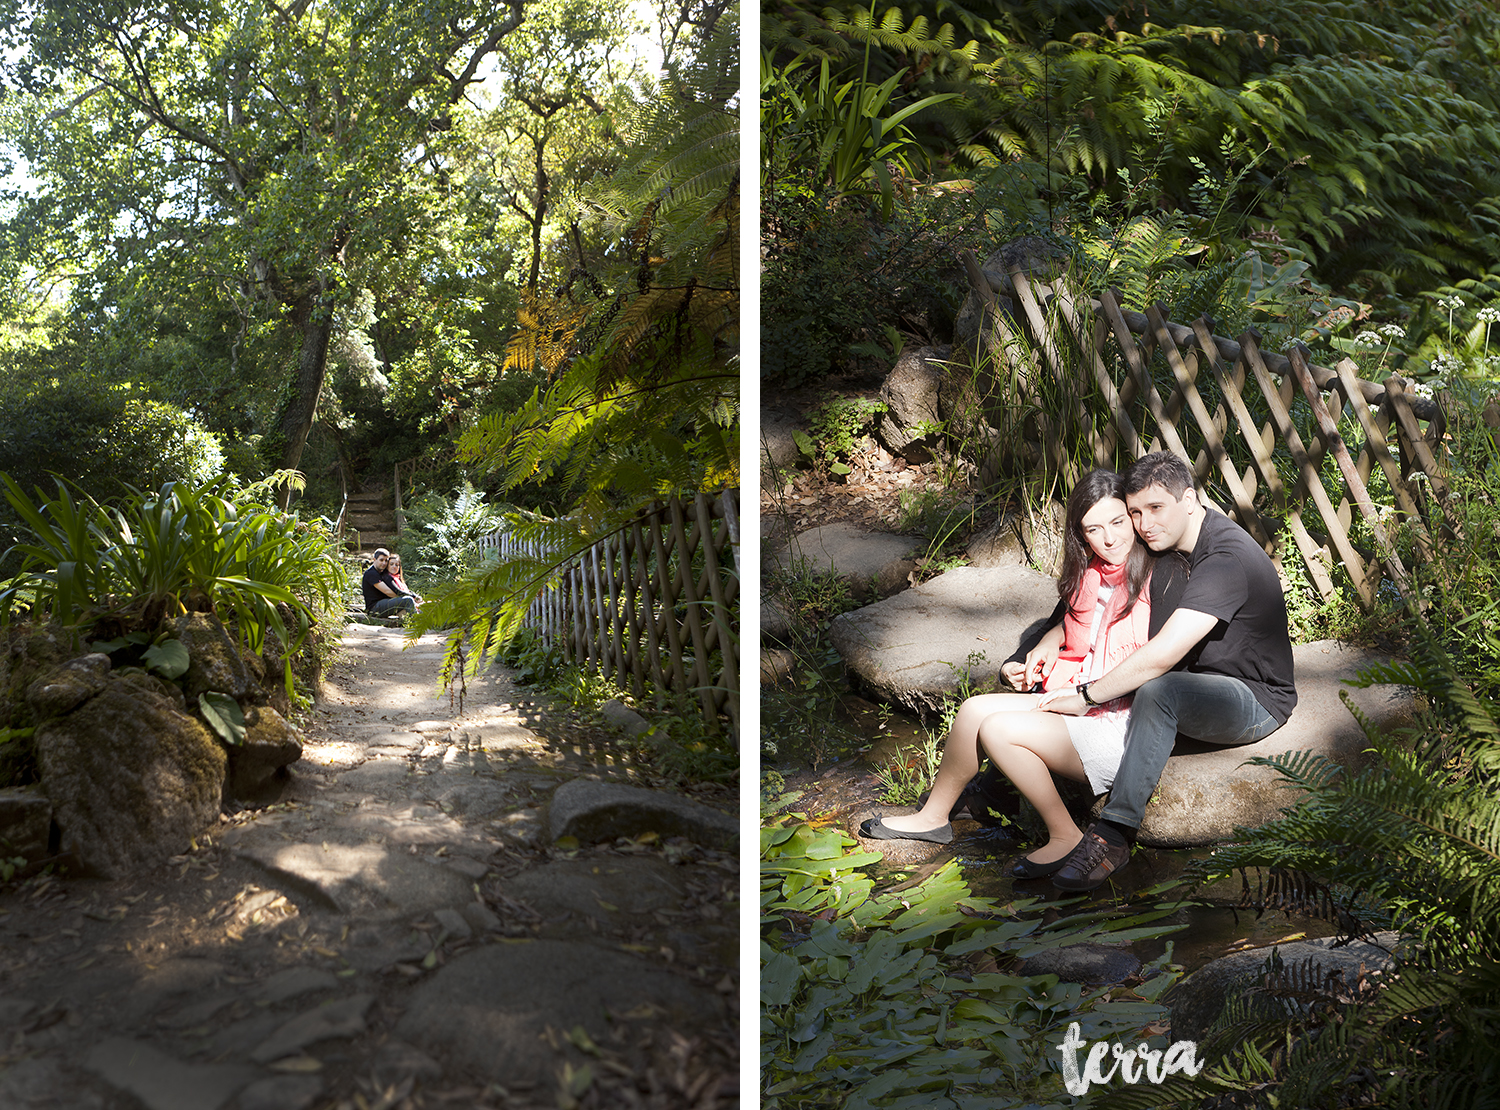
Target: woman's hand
(1015, 674)
(1042, 658)
(1067, 700)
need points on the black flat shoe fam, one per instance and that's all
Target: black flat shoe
(876, 829)
(1030, 869)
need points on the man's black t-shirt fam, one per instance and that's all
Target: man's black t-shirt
(1231, 578)
(374, 574)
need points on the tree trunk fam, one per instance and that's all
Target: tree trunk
(315, 317)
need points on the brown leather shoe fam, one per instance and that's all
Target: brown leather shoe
(1088, 865)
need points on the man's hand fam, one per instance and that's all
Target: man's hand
(1067, 701)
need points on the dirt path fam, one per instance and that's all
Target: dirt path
(399, 930)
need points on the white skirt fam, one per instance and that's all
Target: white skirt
(1100, 743)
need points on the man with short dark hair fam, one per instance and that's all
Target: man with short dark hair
(1219, 669)
(382, 597)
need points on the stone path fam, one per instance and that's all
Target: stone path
(399, 930)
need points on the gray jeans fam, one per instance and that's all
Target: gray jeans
(1208, 707)
(392, 604)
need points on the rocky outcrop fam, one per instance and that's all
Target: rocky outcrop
(1040, 259)
(132, 777)
(915, 403)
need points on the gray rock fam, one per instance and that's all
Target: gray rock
(132, 778)
(778, 446)
(617, 715)
(214, 660)
(584, 889)
(294, 982)
(375, 774)
(1021, 539)
(64, 688)
(897, 853)
(162, 1082)
(397, 1059)
(453, 923)
(1199, 999)
(913, 394)
(489, 1009)
(1039, 258)
(282, 1092)
(471, 869)
(480, 917)
(1083, 963)
(905, 649)
(344, 1017)
(775, 623)
(776, 665)
(593, 811)
(270, 744)
(875, 563)
(25, 822)
(14, 1010)
(364, 862)
(1205, 791)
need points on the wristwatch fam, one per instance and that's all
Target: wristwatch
(1083, 692)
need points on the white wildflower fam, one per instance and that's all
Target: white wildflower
(1369, 340)
(1420, 389)
(1451, 303)
(1392, 331)
(1489, 314)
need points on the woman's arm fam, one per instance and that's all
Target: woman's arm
(1154, 658)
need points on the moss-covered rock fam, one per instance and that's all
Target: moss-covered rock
(214, 659)
(63, 688)
(132, 778)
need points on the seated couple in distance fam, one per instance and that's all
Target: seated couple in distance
(384, 589)
(1172, 620)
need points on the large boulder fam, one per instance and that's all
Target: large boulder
(214, 660)
(1199, 999)
(63, 688)
(911, 649)
(1040, 259)
(874, 563)
(132, 778)
(1032, 539)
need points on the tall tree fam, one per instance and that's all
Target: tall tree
(282, 158)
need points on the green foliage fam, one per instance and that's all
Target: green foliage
(1417, 836)
(902, 999)
(442, 533)
(152, 556)
(224, 716)
(907, 775)
(836, 428)
(1362, 139)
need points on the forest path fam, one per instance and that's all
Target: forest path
(397, 930)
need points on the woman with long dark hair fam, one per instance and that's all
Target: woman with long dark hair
(1105, 578)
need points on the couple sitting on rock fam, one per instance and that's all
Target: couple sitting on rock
(1189, 636)
(385, 590)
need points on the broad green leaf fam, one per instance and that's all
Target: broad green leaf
(169, 659)
(223, 715)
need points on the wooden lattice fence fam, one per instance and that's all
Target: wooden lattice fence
(1096, 384)
(656, 602)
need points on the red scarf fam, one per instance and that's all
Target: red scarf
(1114, 642)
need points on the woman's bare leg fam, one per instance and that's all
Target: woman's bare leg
(1027, 748)
(960, 758)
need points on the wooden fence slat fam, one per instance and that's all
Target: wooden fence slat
(1092, 344)
(1142, 373)
(1357, 492)
(1310, 482)
(1377, 451)
(1249, 519)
